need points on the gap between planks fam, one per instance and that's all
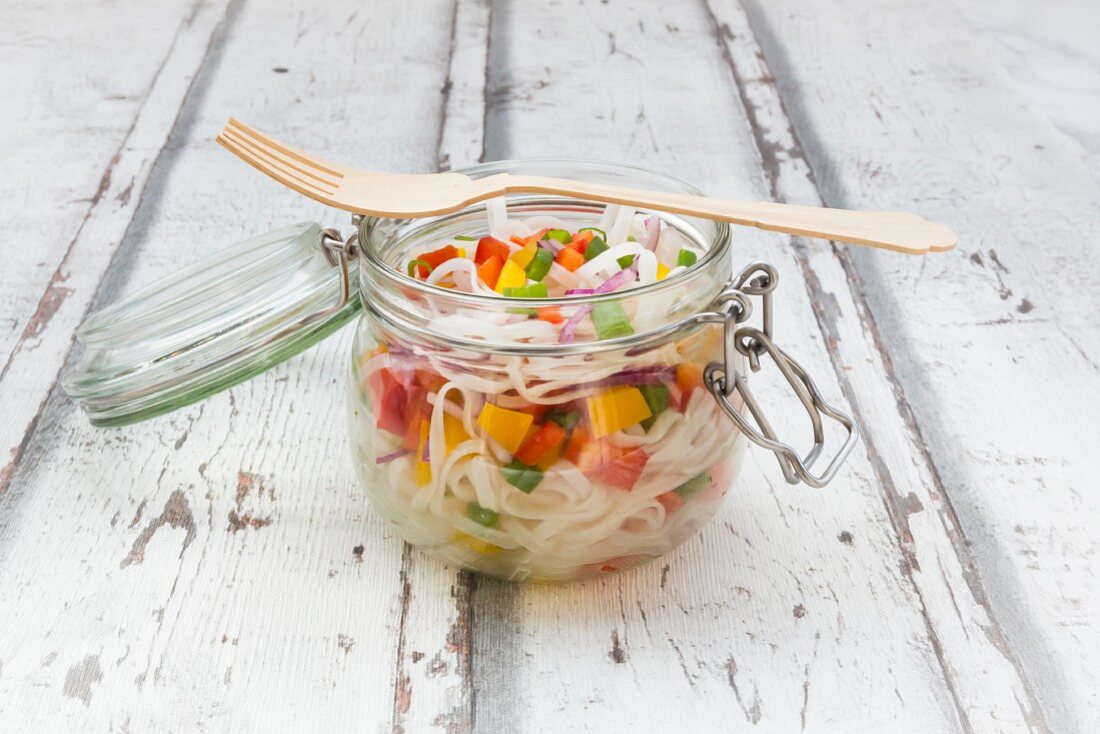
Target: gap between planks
(432, 690)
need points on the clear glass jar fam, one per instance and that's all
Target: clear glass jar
(442, 397)
(640, 431)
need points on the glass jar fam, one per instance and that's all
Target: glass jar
(642, 413)
(445, 387)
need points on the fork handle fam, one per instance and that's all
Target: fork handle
(898, 231)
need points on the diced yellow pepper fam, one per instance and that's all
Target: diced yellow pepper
(423, 468)
(511, 276)
(662, 271)
(507, 427)
(477, 545)
(461, 251)
(454, 432)
(615, 409)
(525, 255)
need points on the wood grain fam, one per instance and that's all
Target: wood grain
(257, 591)
(785, 555)
(1002, 375)
(219, 569)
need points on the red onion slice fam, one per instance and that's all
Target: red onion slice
(621, 278)
(652, 233)
(390, 457)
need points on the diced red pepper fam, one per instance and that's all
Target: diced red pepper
(602, 461)
(489, 246)
(581, 240)
(388, 399)
(435, 258)
(548, 437)
(551, 314)
(411, 439)
(569, 258)
(489, 271)
(671, 501)
(430, 380)
(622, 471)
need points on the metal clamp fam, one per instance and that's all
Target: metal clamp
(723, 379)
(339, 252)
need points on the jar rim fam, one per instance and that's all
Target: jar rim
(720, 244)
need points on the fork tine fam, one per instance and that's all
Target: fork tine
(306, 173)
(275, 171)
(301, 156)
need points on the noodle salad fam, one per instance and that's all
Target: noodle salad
(544, 466)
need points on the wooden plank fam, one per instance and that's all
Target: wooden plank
(774, 616)
(895, 117)
(218, 568)
(434, 677)
(97, 136)
(979, 665)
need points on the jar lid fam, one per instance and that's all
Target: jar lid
(208, 327)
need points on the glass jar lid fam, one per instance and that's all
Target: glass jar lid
(208, 327)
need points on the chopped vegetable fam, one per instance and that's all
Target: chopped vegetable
(418, 269)
(387, 458)
(694, 486)
(506, 427)
(526, 254)
(576, 444)
(570, 259)
(388, 400)
(688, 377)
(656, 397)
(561, 235)
(549, 458)
(481, 515)
(595, 230)
(596, 246)
(611, 320)
(612, 410)
(670, 501)
(489, 246)
(540, 265)
(604, 462)
(511, 276)
(686, 258)
(662, 271)
(423, 468)
(522, 477)
(625, 261)
(535, 290)
(551, 314)
(489, 270)
(565, 419)
(435, 258)
(581, 240)
(549, 436)
(454, 432)
(465, 238)
(477, 545)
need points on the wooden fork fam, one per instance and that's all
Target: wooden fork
(426, 194)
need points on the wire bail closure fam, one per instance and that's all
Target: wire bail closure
(723, 379)
(339, 252)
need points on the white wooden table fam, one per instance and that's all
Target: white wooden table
(219, 570)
